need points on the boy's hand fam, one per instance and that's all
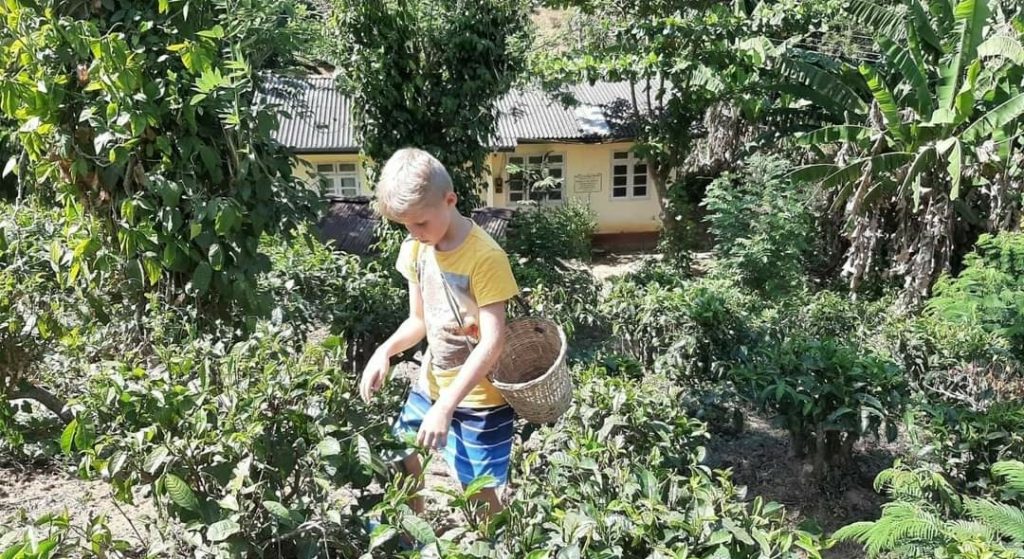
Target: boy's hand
(374, 374)
(434, 429)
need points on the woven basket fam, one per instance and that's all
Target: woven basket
(531, 373)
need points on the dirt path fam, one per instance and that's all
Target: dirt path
(761, 458)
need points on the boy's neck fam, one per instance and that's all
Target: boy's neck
(458, 230)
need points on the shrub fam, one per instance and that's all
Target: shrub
(568, 295)
(242, 444)
(621, 477)
(542, 232)
(762, 225)
(691, 329)
(56, 536)
(312, 286)
(989, 291)
(828, 395)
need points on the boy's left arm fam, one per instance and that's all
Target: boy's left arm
(434, 430)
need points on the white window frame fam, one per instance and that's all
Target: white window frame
(332, 180)
(525, 163)
(631, 161)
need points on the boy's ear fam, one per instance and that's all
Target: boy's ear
(451, 199)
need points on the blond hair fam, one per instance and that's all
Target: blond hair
(411, 178)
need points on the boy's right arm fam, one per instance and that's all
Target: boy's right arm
(408, 334)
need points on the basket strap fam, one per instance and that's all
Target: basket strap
(453, 304)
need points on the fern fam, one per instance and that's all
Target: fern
(1006, 520)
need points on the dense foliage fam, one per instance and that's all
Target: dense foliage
(428, 73)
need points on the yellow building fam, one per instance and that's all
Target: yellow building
(584, 148)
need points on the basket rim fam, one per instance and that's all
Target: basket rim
(558, 364)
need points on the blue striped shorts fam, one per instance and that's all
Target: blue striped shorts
(479, 439)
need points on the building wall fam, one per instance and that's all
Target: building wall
(585, 165)
(588, 167)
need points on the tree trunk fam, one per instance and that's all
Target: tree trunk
(50, 401)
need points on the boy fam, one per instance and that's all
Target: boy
(459, 280)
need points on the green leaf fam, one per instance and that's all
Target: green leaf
(1003, 46)
(180, 493)
(163, 6)
(329, 447)
(279, 511)
(381, 535)
(924, 26)
(886, 102)
(154, 271)
(997, 118)
(67, 438)
(823, 83)
(912, 70)
(227, 218)
(478, 484)
(216, 257)
(925, 159)
(220, 531)
(811, 173)
(363, 451)
(155, 459)
(833, 134)
(419, 529)
(217, 32)
(877, 17)
(970, 16)
(201, 277)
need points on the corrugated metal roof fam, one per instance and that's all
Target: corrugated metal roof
(320, 115)
(321, 118)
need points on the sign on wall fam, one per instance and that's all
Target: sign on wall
(586, 184)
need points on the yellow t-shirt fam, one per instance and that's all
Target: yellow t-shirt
(479, 274)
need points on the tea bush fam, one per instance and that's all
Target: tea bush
(621, 477)
(827, 394)
(693, 329)
(245, 445)
(313, 286)
(989, 291)
(56, 536)
(567, 294)
(546, 232)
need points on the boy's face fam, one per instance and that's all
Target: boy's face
(429, 223)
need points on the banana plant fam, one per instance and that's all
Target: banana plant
(936, 117)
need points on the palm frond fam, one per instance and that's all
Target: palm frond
(824, 83)
(883, 20)
(970, 16)
(834, 134)
(997, 118)
(912, 70)
(885, 99)
(924, 26)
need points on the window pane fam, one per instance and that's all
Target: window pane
(640, 168)
(640, 179)
(621, 169)
(620, 181)
(325, 168)
(347, 168)
(515, 196)
(536, 159)
(620, 155)
(555, 172)
(348, 182)
(640, 191)
(554, 159)
(515, 185)
(619, 192)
